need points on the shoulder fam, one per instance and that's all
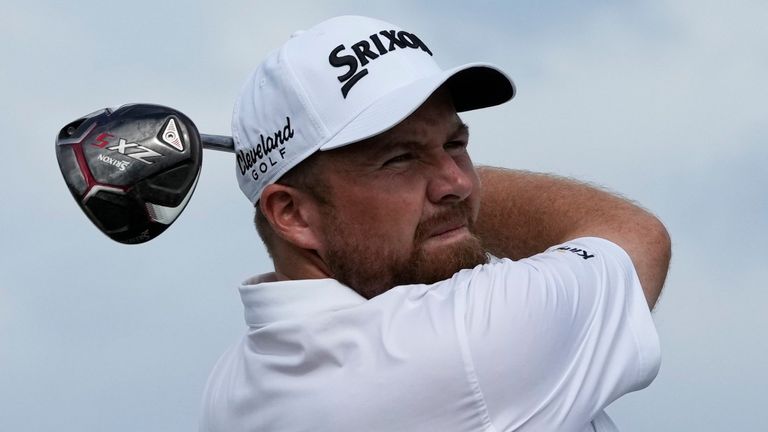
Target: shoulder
(587, 261)
(569, 326)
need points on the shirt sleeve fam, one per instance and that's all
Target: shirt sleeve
(555, 338)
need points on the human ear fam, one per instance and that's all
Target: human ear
(289, 212)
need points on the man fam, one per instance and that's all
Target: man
(384, 312)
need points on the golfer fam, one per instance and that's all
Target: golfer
(412, 290)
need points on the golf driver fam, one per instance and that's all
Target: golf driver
(132, 170)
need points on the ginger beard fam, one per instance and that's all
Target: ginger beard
(372, 267)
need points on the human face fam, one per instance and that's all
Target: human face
(402, 204)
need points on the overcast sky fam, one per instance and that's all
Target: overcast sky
(662, 101)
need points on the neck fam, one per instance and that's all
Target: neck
(292, 263)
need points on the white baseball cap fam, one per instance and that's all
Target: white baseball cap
(346, 79)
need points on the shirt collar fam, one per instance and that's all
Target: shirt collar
(267, 300)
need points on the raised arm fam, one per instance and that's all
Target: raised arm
(523, 213)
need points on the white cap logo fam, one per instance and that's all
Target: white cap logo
(363, 54)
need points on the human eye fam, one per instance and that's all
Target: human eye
(399, 159)
(456, 145)
(459, 140)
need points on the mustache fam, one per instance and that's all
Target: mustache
(459, 213)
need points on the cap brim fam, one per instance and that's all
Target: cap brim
(472, 86)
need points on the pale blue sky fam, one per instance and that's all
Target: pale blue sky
(663, 101)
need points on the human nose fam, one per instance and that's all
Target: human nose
(450, 180)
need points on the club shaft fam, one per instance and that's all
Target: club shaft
(218, 142)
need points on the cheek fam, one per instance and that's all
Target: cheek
(385, 207)
(390, 218)
(395, 217)
(474, 175)
(468, 167)
(466, 164)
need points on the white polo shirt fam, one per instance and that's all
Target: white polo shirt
(540, 344)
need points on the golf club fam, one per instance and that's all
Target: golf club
(132, 170)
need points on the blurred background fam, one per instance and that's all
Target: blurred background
(663, 101)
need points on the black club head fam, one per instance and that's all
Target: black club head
(131, 170)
